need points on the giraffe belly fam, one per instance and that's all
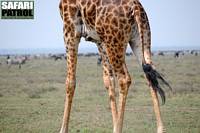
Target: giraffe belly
(90, 34)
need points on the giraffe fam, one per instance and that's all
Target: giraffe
(112, 25)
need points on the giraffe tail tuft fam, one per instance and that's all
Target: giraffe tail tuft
(154, 77)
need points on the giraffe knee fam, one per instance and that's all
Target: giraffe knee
(106, 81)
(128, 80)
(112, 97)
(70, 86)
(124, 83)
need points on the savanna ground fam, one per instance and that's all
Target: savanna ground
(32, 99)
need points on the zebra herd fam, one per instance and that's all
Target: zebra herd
(16, 61)
(22, 59)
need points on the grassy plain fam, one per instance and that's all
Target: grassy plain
(32, 99)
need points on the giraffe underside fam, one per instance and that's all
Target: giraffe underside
(106, 21)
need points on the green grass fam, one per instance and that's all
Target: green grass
(32, 99)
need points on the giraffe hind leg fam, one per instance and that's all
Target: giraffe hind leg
(124, 81)
(151, 76)
(109, 82)
(117, 62)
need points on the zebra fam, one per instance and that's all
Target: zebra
(17, 61)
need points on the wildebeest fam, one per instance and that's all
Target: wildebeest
(57, 56)
(128, 54)
(161, 53)
(80, 54)
(194, 52)
(177, 54)
(99, 60)
(90, 54)
(16, 61)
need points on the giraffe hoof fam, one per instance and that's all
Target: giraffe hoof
(161, 130)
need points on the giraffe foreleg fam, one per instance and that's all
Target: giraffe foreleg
(70, 83)
(72, 35)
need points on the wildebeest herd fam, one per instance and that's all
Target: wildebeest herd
(20, 60)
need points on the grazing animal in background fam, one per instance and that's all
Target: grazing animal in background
(16, 61)
(90, 54)
(112, 25)
(161, 53)
(176, 54)
(192, 51)
(128, 54)
(57, 57)
(99, 60)
(8, 59)
(80, 55)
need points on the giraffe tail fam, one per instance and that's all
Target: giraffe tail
(154, 77)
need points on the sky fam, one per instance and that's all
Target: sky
(174, 25)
